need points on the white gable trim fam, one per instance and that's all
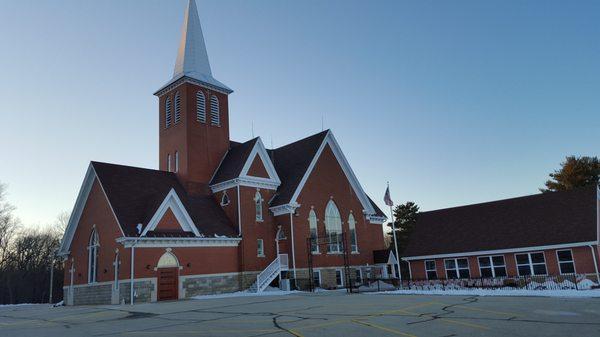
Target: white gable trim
(172, 202)
(339, 155)
(178, 242)
(81, 201)
(260, 150)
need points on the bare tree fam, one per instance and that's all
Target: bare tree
(59, 226)
(8, 226)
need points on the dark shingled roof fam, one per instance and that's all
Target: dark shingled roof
(381, 256)
(136, 193)
(234, 161)
(536, 220)
(291, 162)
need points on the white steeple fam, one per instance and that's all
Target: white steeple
(192, 58)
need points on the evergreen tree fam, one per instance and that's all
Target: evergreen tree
(574, 172)
(405, 219)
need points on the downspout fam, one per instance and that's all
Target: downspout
(593, 249)
(239, 211)
(132, 276)
(132, 269)
(293, 247)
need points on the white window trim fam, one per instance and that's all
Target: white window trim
(456, 267)
(341, 277)
(223, 197)
(354, 250)
(200, 108)
(312, 211)
(530, 263)
(93, 262)
(428, 270)
(176, 161)
(572, 261)
(260, 248)
(168, 162)
(492, 265)
(258, 201)
(317, 272)
(331, 227)
(116, 265)
(215, 114)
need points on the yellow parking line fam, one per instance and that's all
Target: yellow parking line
(373, 325)
(472, 325)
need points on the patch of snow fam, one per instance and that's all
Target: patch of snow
(20, 305)
(269, 291)
(586, 284)
(379, 285)
(489, 292)
(62, 303)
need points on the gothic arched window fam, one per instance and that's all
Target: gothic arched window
(215, 118)
(168, 112)
(353, 240)
(258, 202)
(314, 236)
(93, 246)
(200, 107)
(177, 108)
(333, 227)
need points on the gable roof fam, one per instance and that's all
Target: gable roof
(233, 162)
(136, 193)
(537, 220)
(291, 162)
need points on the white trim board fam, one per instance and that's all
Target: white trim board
(501, 251)
(172, 202)
(260, 150)
(145, 242)
(339, 155)
(80, 202)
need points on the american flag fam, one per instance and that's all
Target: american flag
(386, 198)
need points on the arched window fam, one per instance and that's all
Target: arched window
(167, 260)
(176, 161)
(215, 119)
(258, 202)
(177, 108)
(224, 199)
(314, 236)
(93, 246)
(333, 227)
(168, 112)
(352, 226)
(200, 107)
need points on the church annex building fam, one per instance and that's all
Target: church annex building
(218, 216)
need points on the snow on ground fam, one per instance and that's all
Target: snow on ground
(270, 291)
(490, 292)
(8, 306)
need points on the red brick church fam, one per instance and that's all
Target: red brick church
(218, 215)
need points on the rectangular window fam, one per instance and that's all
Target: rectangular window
(176, 161)
(531, 264)
(430, 270)
(317, 278)
(492, 266)
(358, 275)
(168, 163)
(260, 248)
(339, 277)
(565, 261)
(457, 268)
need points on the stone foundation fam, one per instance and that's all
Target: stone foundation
(191, 286)
(91, 294)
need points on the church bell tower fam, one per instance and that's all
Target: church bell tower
(193, 112)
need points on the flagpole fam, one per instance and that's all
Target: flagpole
(396, 244)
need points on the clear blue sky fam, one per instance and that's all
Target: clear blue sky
(453, 102)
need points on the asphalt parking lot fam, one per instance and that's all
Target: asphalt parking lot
(321, 314)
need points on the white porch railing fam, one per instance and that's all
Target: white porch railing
(270, 273)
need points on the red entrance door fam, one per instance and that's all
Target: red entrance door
(168, 284)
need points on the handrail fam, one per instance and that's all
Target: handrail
(266, 275)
